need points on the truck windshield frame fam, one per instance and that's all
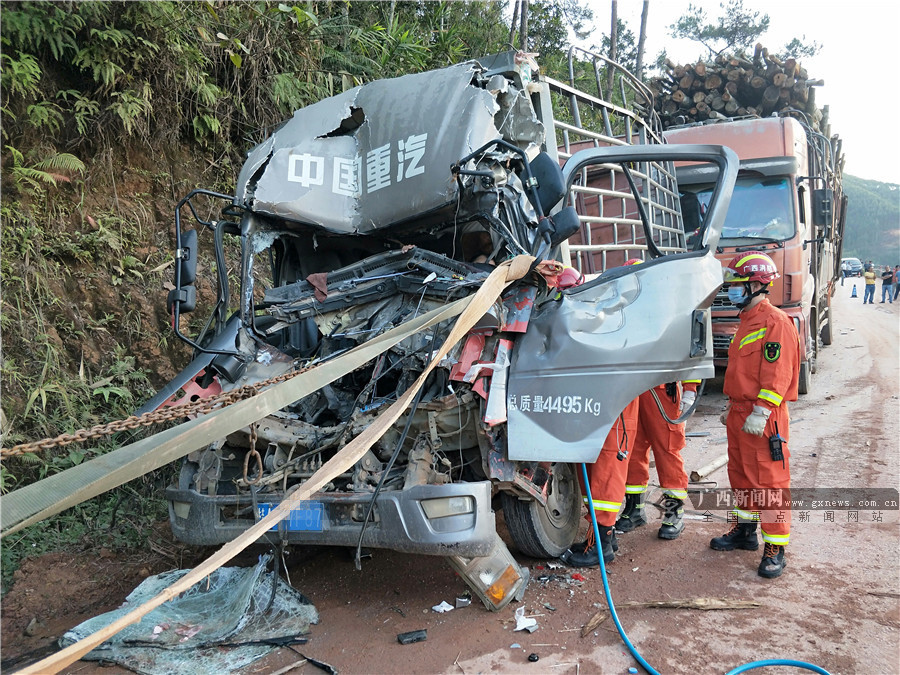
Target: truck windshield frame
(762, 209)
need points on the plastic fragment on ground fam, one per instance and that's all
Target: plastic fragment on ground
(523, 622)
(218, 625)
(412, 636)
(443, 607)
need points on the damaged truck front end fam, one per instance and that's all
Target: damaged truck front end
(390, 201)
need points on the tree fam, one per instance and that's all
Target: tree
(549, 24)
(614, 24)
(642, 38)
(736, 30)
(797, 48)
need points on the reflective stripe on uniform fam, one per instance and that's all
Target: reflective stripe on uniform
(600, 505)
(770, 396)
(752, 337)
(635, 489)
(777, 539)
(746, 515)
(677, 494)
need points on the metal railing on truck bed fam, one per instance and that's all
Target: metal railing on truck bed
(612, 230)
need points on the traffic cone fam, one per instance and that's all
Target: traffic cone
(853, 294)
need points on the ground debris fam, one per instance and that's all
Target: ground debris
(593, 622)
(695, 603)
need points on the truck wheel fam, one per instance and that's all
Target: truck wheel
(827, 333)
(805, 375)
(546, 531)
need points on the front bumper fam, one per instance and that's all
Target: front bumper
(398, 520)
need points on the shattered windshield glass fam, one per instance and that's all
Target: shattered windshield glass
(760, 209)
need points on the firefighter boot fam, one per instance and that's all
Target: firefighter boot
(773, 562)
(633, 514)
(580, 548)
(741, 535)
(587, 557)
(673, 519)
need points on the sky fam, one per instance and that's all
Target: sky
(858, 62)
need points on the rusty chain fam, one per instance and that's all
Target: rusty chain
(199, 407)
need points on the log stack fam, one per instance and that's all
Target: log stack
(736, 86)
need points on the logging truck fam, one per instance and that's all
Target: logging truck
(383, 206)
(788, 202)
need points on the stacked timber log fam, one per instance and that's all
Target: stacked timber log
(736, 86)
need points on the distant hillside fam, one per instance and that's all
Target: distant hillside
(873, 220)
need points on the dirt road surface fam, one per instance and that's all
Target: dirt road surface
(837, 604)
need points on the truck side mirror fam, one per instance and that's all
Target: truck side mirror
(186, 297)
(550, 184)
(565, 224)
(187, 258)
(823, 206)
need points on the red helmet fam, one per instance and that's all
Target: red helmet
(751, 266)
(633, 261)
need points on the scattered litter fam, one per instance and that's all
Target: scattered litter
(698, 434)
(812, 454)
(635, 569)
(533, 657)
(463, 601)
(218, 625)
(547, 605)
(632, 670)
(554, 565)
(443, 607)
(412, 636)
(523, 622)
(593, 622)
(578, 577)
(515, 645)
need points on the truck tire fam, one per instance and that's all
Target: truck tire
(805, 376)
(546, 531)
(827, 335)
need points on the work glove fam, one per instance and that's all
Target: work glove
(756, 421)
(723, 418)
(687, 400)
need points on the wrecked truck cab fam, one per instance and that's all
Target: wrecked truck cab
(391, 201)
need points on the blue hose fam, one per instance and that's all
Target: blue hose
(634, 652)
(778, 662)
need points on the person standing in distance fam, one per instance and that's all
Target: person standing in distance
(869, 276)
(762, 375)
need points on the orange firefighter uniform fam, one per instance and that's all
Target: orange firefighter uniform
(763, 366)
(607, 474)
(666, 439)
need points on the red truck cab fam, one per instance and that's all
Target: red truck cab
(783, 206)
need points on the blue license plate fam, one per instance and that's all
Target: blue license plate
(304, 517)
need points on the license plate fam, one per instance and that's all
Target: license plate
(304, 517)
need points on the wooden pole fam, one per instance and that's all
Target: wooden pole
(707, 469)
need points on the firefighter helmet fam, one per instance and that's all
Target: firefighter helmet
(633, 261)
(751, 266)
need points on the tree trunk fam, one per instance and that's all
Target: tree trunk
(523, 25)
(642, 39)
(512, 25)
(613, 38)
(391, 16)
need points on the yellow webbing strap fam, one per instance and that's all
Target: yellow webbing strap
(499, 279)
(47, 497)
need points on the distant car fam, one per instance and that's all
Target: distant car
(856, 267)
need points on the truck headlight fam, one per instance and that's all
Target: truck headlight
(447, 506)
